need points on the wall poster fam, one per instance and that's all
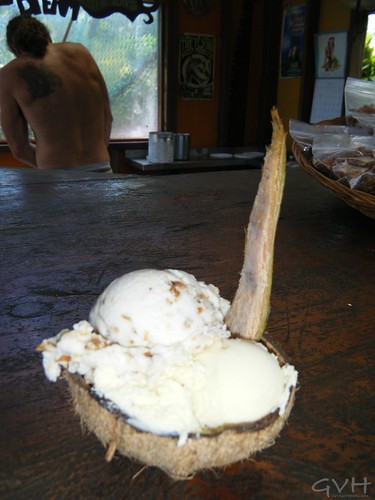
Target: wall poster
(330, 54)
(196, 66)
(330, 68)
(292, 41)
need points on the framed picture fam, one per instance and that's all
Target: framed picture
(331, 54)
(196, 66)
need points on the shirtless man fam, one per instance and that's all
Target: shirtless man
(57, 89)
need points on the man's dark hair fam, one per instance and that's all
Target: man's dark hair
(27, 34)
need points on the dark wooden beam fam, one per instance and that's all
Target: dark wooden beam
(312, 14)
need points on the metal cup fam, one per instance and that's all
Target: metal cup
(160, 147)
(181, 148)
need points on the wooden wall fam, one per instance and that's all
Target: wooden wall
(200, 117)
(241, 118)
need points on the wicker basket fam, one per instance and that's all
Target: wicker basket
(360, 200)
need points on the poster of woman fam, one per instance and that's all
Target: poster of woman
(331, 54)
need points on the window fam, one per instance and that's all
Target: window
(127, 55)
(368, 65)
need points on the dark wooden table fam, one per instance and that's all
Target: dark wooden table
(64, 237)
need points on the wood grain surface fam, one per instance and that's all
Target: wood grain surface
(65, 237)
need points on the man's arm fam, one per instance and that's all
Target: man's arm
(15, 127)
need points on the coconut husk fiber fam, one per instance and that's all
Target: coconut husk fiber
(179, 462)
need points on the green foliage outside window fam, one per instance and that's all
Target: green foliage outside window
(368, 65)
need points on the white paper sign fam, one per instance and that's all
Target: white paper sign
(328, 99)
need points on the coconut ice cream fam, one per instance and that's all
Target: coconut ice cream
(152, 308)
(157, 348)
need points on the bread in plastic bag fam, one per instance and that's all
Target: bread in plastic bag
(343, 156)
(364, 182)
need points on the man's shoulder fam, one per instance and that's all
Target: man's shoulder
(9, 67)
(8, 72)
(13, 65)
(71, 50)
(71, 47)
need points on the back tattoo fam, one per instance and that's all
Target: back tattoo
(40, 80)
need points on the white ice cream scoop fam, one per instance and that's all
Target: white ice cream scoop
(151, 307)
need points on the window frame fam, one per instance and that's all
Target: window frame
(167, 84)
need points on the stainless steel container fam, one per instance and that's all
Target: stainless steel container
(181, 148)
(160, 147)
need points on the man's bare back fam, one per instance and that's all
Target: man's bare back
(64, 99)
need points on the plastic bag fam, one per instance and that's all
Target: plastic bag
(360, 101)
(304, 133)
(343, 156)
(364, 182)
